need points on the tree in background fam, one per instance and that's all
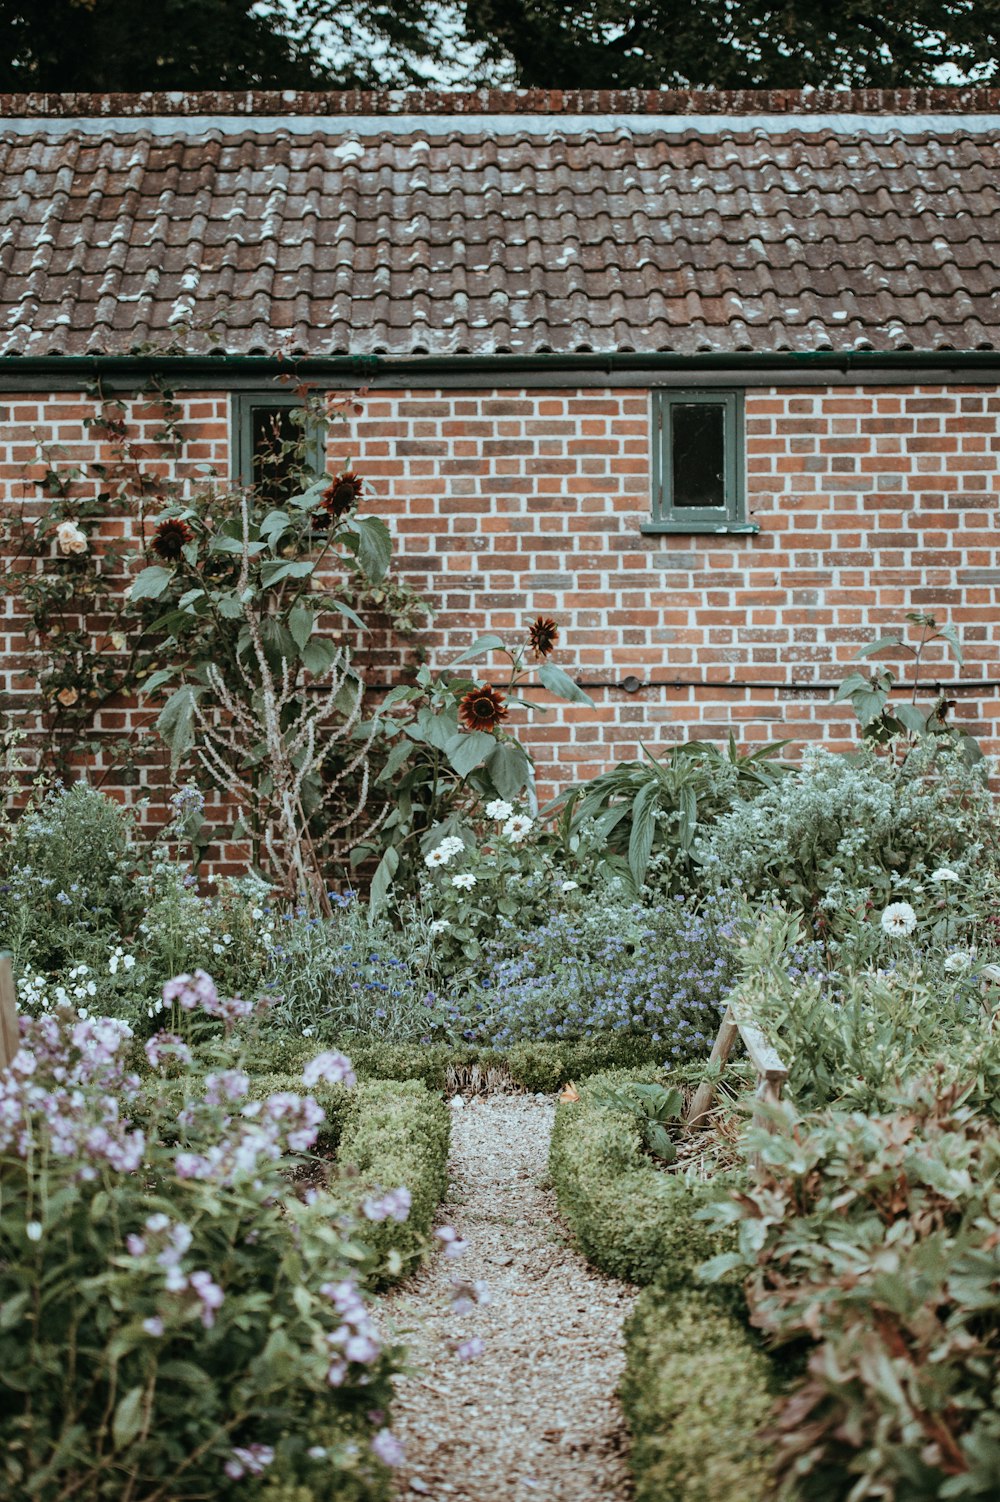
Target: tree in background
(750, 44)
(117, 45)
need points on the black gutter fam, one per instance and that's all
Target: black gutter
(367, 367)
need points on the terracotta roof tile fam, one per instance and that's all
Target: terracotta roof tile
(451, 237)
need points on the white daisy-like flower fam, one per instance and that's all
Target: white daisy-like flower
(569, 886)
(452, 844)
(517, 828)
(958, 962)
(899, 920)
(438, 926)
(436, 857)
(465, 880)
(499, 809)
(945, 873)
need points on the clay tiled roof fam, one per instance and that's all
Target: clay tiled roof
(428, 224)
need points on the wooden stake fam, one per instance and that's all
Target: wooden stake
(10, 1040)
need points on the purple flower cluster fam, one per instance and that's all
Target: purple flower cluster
(659, 974)
(331, 1068)
(248, 1460)
(166, 1243)
(197, 993)
(264, 1132)
(166, 1046)
(355, 1340)
(393, 1205)
(62, 1089)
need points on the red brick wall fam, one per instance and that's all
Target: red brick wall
(871, 502)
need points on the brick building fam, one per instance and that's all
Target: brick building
(711, 378)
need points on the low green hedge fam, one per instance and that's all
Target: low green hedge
(539, 1066)
(385, 1133)
(696, 1390)
(630, 1217)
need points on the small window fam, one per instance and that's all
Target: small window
(698, 462)
(270, 447)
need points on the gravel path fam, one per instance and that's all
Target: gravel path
(535, 1416)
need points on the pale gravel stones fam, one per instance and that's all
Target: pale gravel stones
(536, 1415)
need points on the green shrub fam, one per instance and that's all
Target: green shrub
(842, 832)
(695, 1391)
(67, 877)
(630, 1217)
(872, 1239)
(396, 1133)
(536, 1067)
(385, 1134)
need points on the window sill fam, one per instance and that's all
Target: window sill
(702, 528)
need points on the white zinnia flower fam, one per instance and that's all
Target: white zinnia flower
(899, 920)
(517, 827)
(958, 962)
(436, 857)
(499, 809)
(569, 886)
(438, 926)
(464, 879)
(70, 538)
(452, 845)
(945, 873)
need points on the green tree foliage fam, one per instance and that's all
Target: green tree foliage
(754, 44)
(116, 45)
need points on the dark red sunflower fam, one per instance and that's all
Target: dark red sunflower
(342, 494)
(482, 708)
(542, 634)
(170, 537)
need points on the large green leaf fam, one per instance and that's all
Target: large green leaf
(128, 1418)
(561, 684)
(640, 843)
(509, 768)
(479, 648)
(318, 655)
(272, 571)
(468, 749)
(382, 881)
(176, 722)
(374, 545)
(151, 583)
(300, 623)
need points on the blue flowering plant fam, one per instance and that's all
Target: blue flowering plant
(619, 967)
(184, 1310)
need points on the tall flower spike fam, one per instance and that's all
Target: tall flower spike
(542, 634)
(482, 708)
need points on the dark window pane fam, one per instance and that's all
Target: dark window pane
(698, 457)
(273, 437)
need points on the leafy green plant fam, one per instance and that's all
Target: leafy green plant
(654, 1106)
(882, 712)
(841, 836)
(871, 1240)
(660, 806)
(451, 753)
(178, 1321)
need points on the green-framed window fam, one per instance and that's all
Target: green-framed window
(267, 435)
(698, 462)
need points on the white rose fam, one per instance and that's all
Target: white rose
(70, 538)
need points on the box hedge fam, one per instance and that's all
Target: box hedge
(630, 1216)
(385, 1133)
(542, 1066)
(696, 1390)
